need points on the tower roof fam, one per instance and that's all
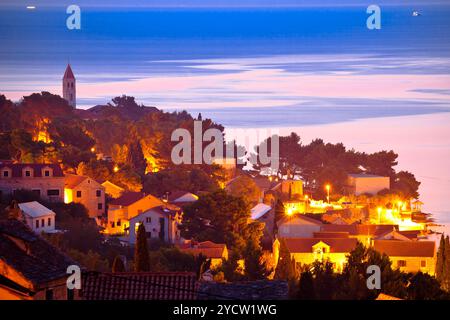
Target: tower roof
(69, 73)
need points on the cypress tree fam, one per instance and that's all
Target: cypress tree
(141, 257)
(118, 265)
(446, 267)
(285, 269)
(279, 214)
(440, 259)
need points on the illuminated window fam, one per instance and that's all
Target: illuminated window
(401, 263)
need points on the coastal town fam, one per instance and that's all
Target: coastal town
(95, 188)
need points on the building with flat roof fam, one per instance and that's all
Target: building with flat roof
(38, 217)
(360, 183)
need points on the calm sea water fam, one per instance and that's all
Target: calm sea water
(317, 71)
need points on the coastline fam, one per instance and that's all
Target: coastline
(422, 149)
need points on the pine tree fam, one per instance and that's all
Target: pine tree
(255, 267)
(118, 265)
(306, 289)
(141, 257)
(285, 269)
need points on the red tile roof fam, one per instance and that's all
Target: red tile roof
(37, 168)
(304, 245)
(396, 248)
(128, 198)
(300, 217)
(330, 235)
(207, 248)
(140, 286)
(358, 229)
(73, 180)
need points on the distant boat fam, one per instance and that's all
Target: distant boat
(416, 13)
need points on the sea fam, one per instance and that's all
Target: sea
(318, 71)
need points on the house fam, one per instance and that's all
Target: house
(179, 197)
(112, 190)
(160, 222)
(140, 286)
(259, 211)
(265, 214)
(360, 183)
(295, 206)
(298, 226)
(127, 206)
(364, 233)
(409, 256)
(31, 268)
(87, 191)
(292, 188)
(46, 180)
(38, 217)
(266, 185)
(215, 252)
(307, 250)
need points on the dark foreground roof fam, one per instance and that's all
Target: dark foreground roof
(140, 286)
(248, 290)
(30, 255)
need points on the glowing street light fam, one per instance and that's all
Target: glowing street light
(116, 168)
(328, 188)
(379, 209)
(400, 205)
(92, 149)
(289, 212)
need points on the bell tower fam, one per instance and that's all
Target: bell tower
(69, 87)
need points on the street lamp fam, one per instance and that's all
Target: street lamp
(328, 187)
(379, 214)
(400, 205)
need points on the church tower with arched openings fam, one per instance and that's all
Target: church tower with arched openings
(69, 87)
